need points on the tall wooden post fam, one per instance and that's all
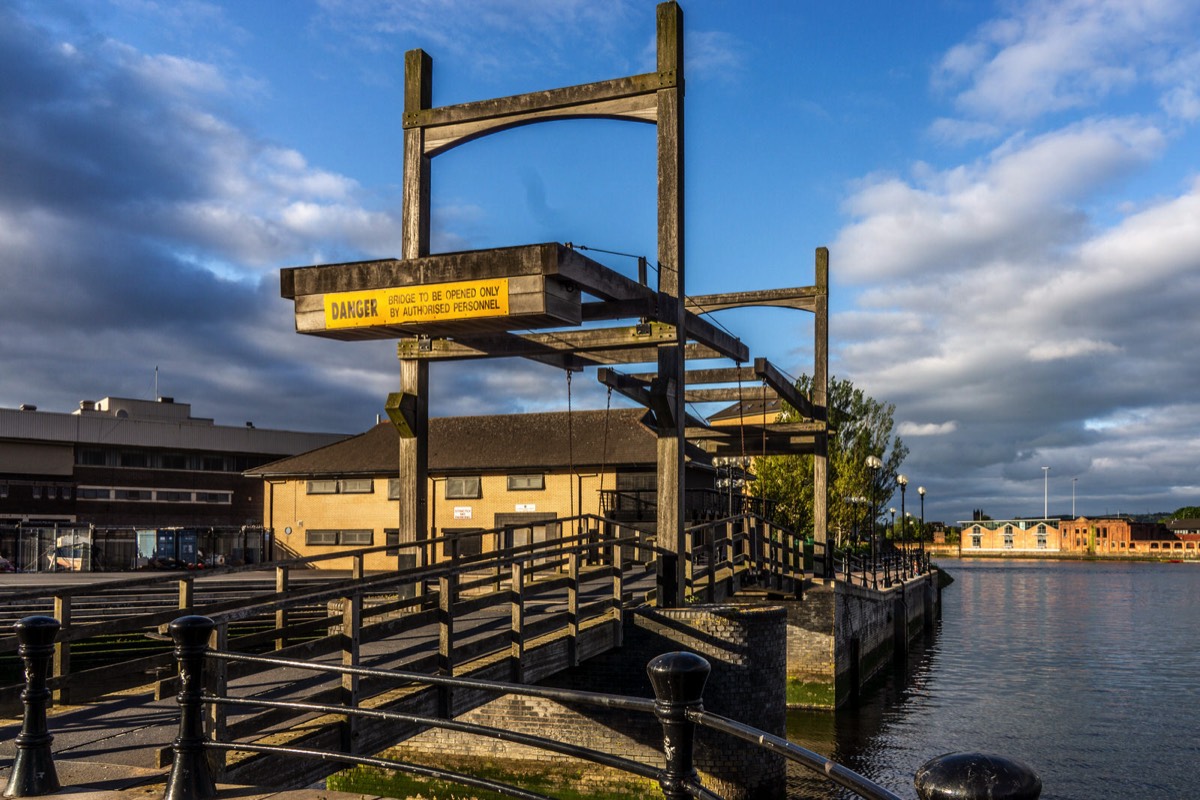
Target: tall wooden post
(820, 403)
(414, 373)
(671, 475)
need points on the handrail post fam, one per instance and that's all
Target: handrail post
(33, 770)
(352, 613)
(976, 776)
(678, 680)
(573, 608)
(61, 667)
(517, 631)
(281, 614)
(190, 778)
(447, 592)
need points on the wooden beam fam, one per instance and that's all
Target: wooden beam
(583, 343)
(632, 98)
(728, 395)
(802, 298)
(781, 384)
(547, 258)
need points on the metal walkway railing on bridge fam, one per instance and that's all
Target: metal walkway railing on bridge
(511, 613)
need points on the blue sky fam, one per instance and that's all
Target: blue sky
(1010, 192)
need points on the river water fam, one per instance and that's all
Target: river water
(1089, 672)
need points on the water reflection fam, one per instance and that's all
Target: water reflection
(1085, 670)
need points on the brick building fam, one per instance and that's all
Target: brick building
(525, 470)
(1109, 536)
(1015, 536)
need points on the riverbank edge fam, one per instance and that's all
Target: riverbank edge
(1025, 556)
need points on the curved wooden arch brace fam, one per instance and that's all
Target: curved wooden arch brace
(626, 99)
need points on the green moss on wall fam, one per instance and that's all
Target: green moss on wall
(810, 694)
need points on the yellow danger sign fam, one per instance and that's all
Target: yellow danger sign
(409, 304)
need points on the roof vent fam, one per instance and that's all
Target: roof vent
(28, 407)
(87, 405)
(166, 399)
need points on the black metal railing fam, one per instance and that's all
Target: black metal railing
(678, 681)
(882, 569)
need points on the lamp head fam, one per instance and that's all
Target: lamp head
(873, 463)
(921, 491)
(902, 480)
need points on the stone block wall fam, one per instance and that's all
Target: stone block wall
(745, 646)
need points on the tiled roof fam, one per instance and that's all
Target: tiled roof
(500, 442)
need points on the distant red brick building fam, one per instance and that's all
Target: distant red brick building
(1118, 536)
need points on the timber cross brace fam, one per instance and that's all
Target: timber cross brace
(481, 304)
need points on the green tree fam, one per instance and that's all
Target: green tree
(860, 426)
(1187, 512)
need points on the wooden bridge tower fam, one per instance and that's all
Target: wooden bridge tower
(473, 304)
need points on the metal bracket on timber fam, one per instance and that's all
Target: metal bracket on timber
(769, 438)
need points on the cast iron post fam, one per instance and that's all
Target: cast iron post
(33, 770)
(678, 680)
(976, 776)
(190, 777)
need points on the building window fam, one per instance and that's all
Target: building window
(3, 491)
(346, 538)
(1041, 541)
(357, 538)
(92, 493)
(1008, 539)
(393, 488)
(976, 540)
(92, 458)
(464, 488)
(214, 497)
(138, 460)
(526, 483)
(320, 538)
(356, 486)
(164, 496)
(133, 494)
(35, 491)
(391, 537)
(174, 461)
(322, 487)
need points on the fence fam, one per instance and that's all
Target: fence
(677, 679)
(76, 547)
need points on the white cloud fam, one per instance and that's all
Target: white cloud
(1060, 350)
(1053, 56)
(914, 429)
(1015, 204)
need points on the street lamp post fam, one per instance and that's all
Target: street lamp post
(1046, 493)
(887, 565)
(921, 491)
(874, 464)
(903, 481)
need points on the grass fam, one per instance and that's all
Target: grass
(565, 780)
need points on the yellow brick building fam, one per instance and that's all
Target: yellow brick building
(520, 470)
(1010, 537)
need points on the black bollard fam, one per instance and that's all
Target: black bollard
(678, 680)
(976, 776)
(33, 770)
(190, 777)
